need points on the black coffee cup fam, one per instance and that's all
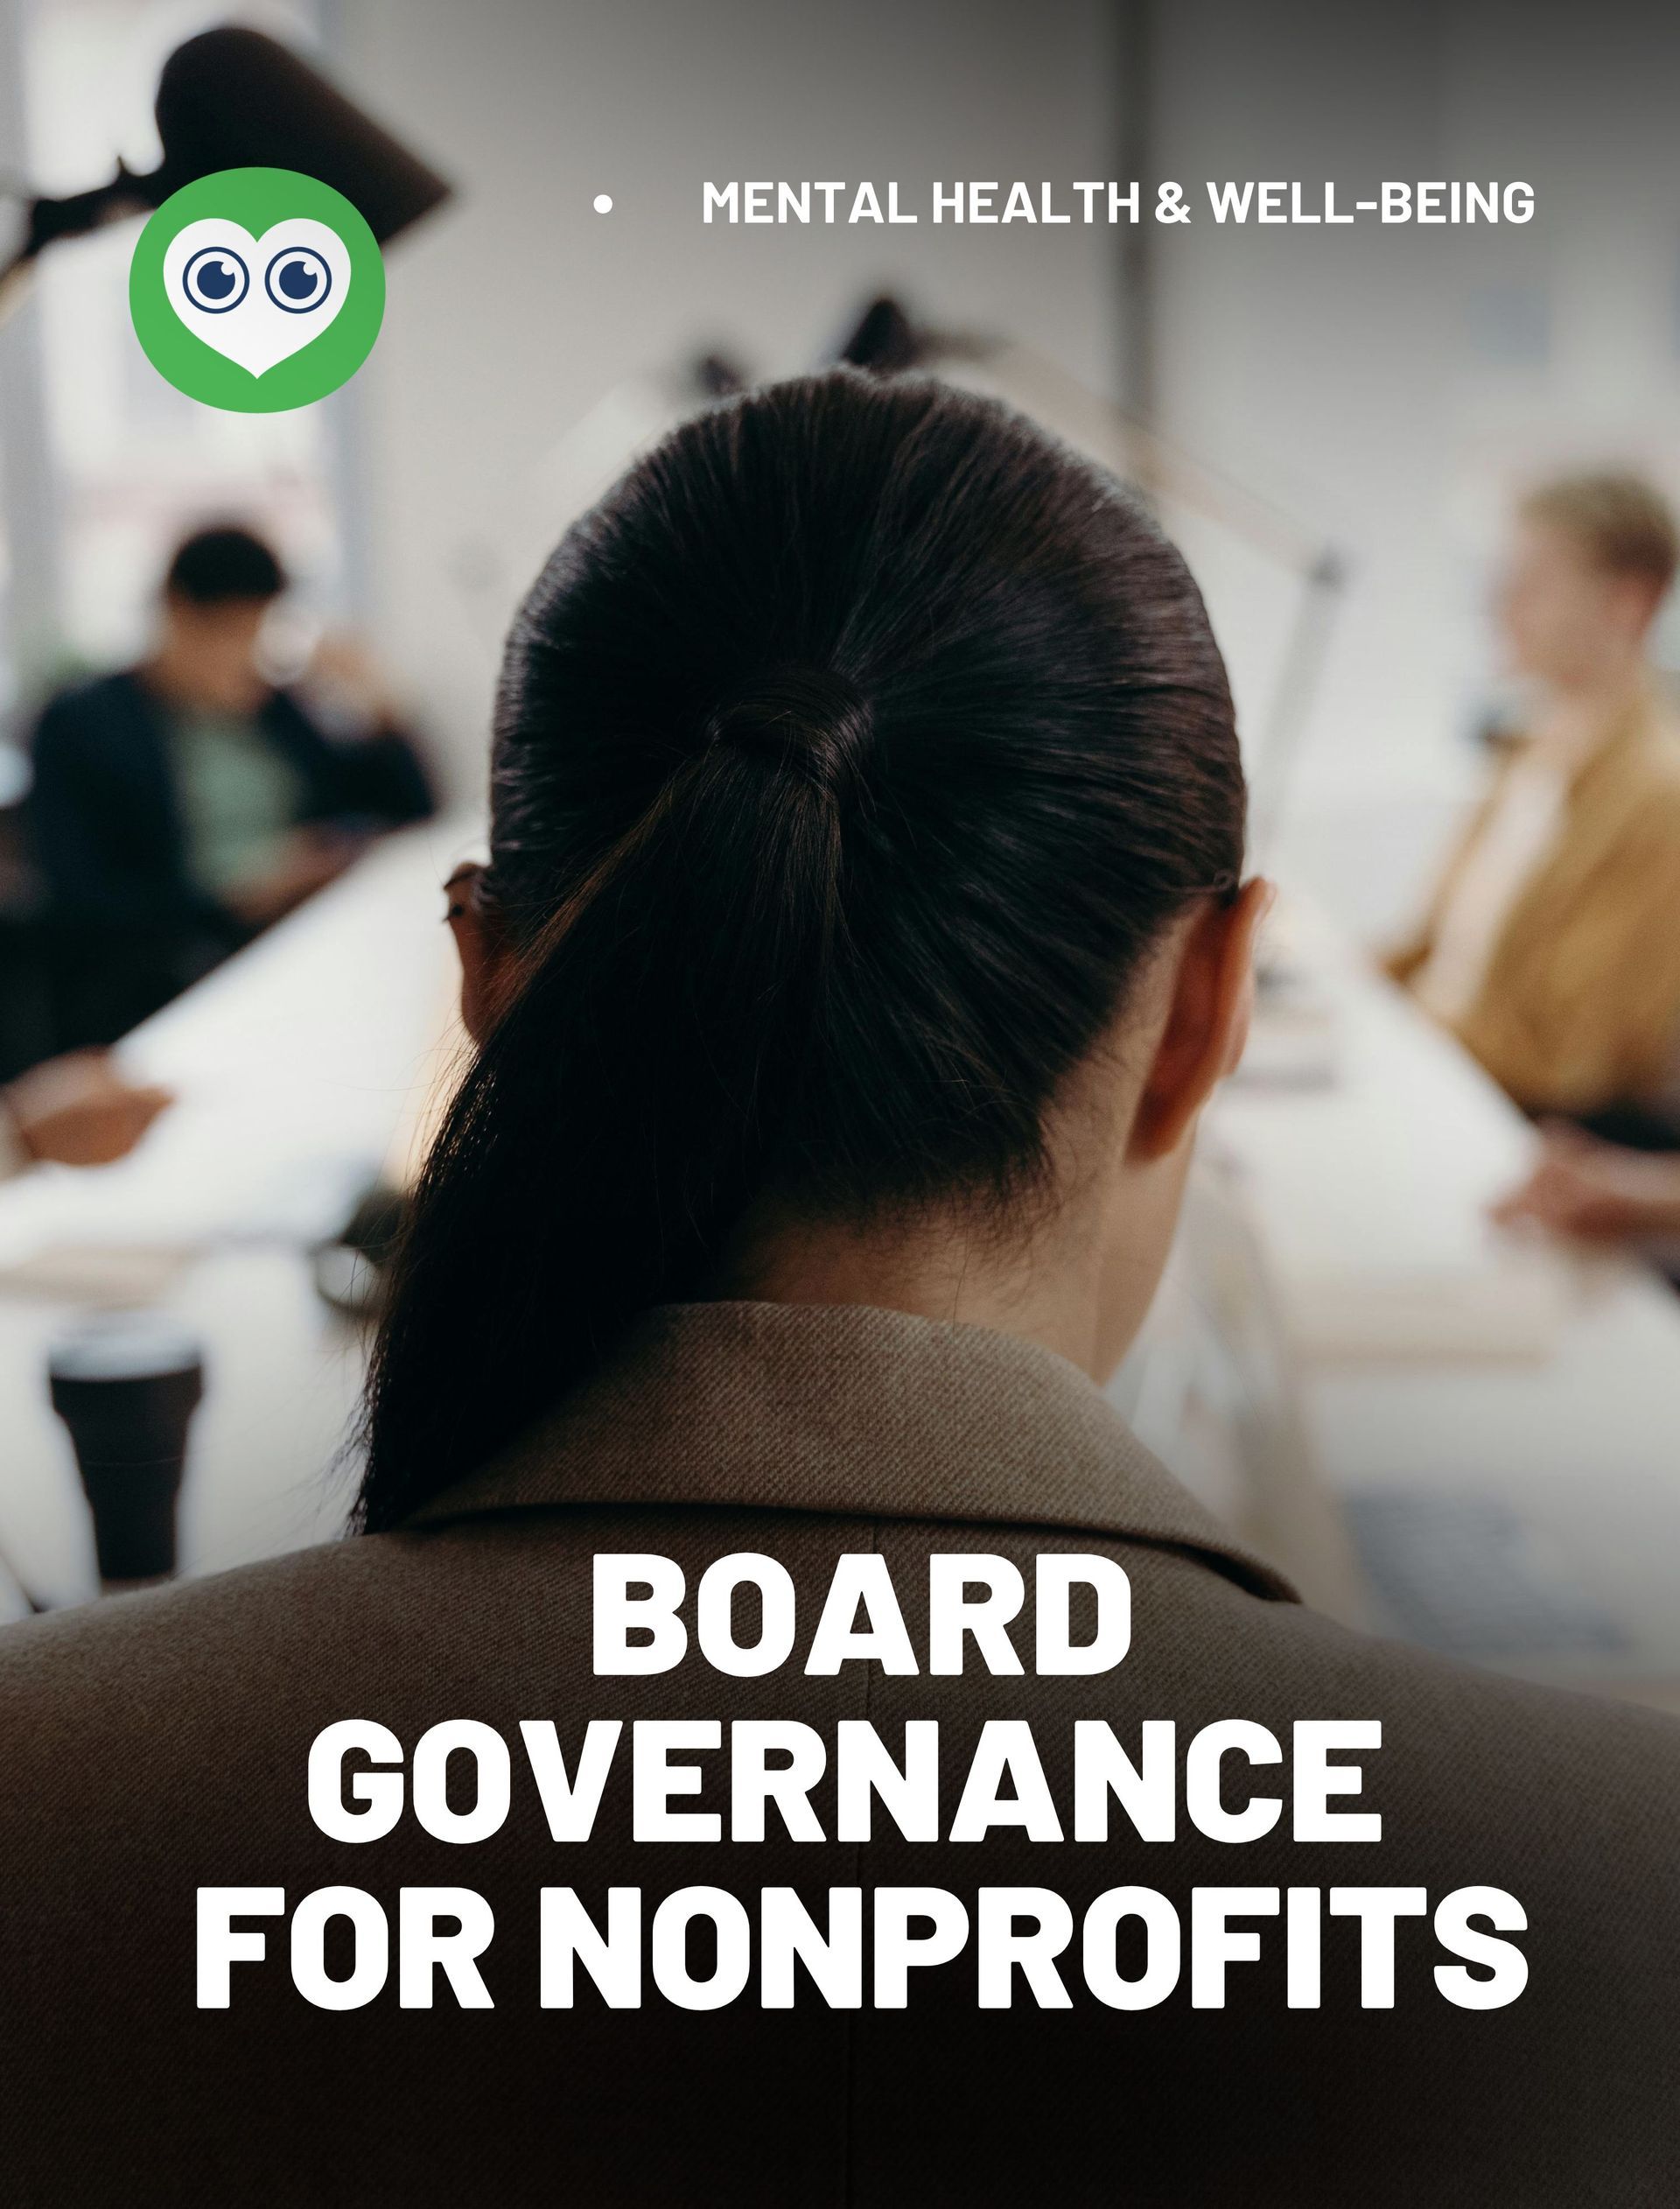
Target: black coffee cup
(127, 1387)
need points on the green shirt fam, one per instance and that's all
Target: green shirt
(239, 799)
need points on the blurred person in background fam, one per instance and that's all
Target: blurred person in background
(1552, 947)
(181, 806)
(74, 1111)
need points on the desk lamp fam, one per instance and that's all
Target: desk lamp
(235, 98)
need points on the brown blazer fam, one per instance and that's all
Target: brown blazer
(157, 1742)
(1580, 1008)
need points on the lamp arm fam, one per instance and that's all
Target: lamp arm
(51, 220)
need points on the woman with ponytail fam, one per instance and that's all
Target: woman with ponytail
(863, 931)
(852, 760)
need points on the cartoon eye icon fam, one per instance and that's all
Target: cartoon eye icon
(216, 280)
(298, 279)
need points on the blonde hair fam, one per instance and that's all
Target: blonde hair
(1622, 523)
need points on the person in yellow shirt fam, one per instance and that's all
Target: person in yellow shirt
(1551, 948)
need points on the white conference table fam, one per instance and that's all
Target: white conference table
(1427, 1355)
(1440, 1358)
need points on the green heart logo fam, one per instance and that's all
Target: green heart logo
(256, 289)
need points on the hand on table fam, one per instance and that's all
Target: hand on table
(1597, 1192)
(309, 860)
(79, 1110)
(349, 682)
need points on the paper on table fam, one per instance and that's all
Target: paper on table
(292, 1066)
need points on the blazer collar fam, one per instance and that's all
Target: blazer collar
(1641, 725)
(851, 1410)
(1608, 793)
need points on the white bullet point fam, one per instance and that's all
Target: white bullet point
(603, 203)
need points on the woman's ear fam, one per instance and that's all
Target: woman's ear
(485, 956)
(1211, 1002)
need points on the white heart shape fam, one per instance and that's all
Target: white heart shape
(280, 291)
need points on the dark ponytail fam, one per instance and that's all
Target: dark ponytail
(848, 757)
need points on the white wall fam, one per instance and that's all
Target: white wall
(1393, 387)
(511, 311)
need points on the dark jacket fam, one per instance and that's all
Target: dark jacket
(159, 1742)
(129, 927)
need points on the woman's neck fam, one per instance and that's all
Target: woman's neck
(1075, 1274)
(944, 1268)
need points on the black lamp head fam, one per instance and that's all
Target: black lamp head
(884, 338)
(235, 98)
